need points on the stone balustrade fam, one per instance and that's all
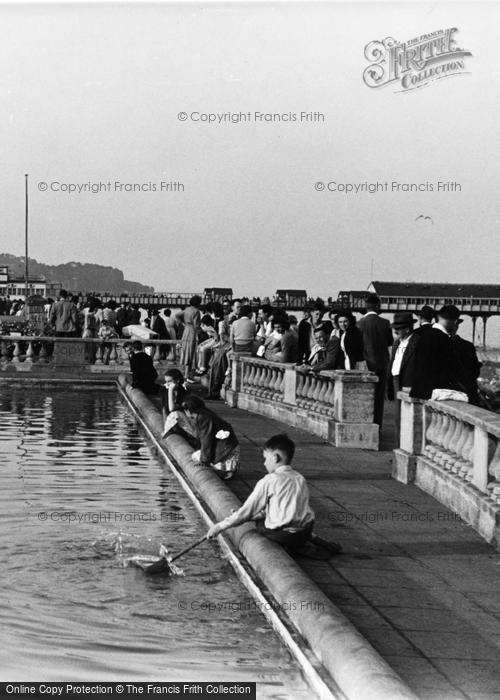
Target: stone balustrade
(452, 450)
(337, 405)
(43, 353)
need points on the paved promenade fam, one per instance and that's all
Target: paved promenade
(418, 583)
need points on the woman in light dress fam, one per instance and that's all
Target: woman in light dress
(191, 319)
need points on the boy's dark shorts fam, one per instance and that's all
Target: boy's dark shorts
(292, 540)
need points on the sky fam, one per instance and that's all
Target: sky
(96, 93)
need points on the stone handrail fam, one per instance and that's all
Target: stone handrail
(27, 350)
(319, 402)
(457, 444)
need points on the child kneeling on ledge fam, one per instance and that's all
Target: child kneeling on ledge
(279, 502)
(219, 445)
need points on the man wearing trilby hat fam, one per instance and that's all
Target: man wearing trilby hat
(435, 364)
(402, 363)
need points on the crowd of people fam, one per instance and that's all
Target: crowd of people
(321, 340)
(415, 355)
(403, 355)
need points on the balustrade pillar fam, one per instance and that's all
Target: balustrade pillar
(412, 425)
(17, 352)
(98, 354)
(291, 379)
(113, 355)
(480, 460)
(30, 355)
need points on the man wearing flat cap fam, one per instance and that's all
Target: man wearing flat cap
(435, 363)
(402, 363)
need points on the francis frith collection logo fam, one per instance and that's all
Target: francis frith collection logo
(416, 62)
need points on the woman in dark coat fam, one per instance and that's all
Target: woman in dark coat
(219, 446)
(351, 341)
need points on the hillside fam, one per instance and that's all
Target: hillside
(76, 276)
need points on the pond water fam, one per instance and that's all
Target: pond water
(81, 492)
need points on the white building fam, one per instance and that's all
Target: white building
(15, 287)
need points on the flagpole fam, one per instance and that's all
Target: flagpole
(26, 241)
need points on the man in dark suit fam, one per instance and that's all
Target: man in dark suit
(304, 339)
(143, 372)
(435, 363)
(467, 363)
(377, 339)
(402, 362)
(427, 316)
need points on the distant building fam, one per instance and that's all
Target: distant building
(291, 297)
(409, 295)
(217, 293)
(15, 286)
(475, 300)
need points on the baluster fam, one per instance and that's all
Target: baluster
(255, 379)
(448, 444)
(247, 369)
(299, 387)
(244, 377)
(29, 353)
(17, 352)
(329, 396)
(458, 445)
(267, 375)
(270, 381)
(322, 394)
(259, 380)
(275, 383)
(280, 385)
(466, 464)
(250, 379)
(317, 391)
(443, 430)
(311, 390)
(447, 456)
(98, 354)
(42, 355)
(430, 433)
(305, 389)
(267, 382)
(113, 355)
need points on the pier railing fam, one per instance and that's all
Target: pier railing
(25, 353)
(337, 405)
(452, 450)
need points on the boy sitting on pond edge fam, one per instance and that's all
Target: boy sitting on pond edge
(279, 502)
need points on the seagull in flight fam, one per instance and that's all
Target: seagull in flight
(424, 218)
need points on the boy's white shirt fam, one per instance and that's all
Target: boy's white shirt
(283, 495)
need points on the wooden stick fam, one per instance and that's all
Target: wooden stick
(188, 549)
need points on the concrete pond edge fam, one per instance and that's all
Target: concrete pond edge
(335, 658)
